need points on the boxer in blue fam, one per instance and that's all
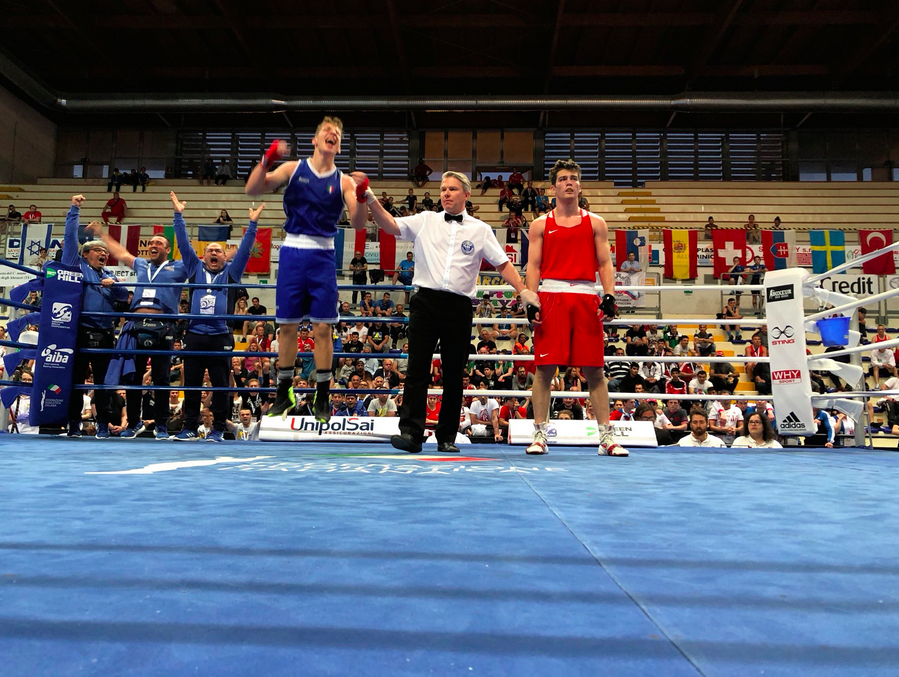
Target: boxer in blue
(314, 200)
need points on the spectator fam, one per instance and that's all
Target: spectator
(421, 174)
(826, 432)
(617, 370)
(141, 179)
(567, 404)
(542, 204)
(647, 412)
(703, 342)
(883, 358)
(485, 185)
(754, 349)
(683, 346)
(485, 417)
(628, 383)
(383, 306)
(485, 307)
(509, 411)
(505, 197)
(675, 384)
(512, 225)
(502, 331)
(516, 181)
(753, 234)
(758, 270)
(208, 172)
(224, 218)
(699, 436)
(223, 173)
(776, 225)
(631, 265)
(426, 202)
(115, 207)
(731, 311)
(709, 227)
(737, 275)
(584, 203)
(382, 405)
(115, 179)
(246, 429)
(405, 272)
(523, 380)
(862, 327)
(732, 419)
(529, 197)
(358, 269)
(674, 419)
(624, 410)
(723, 375)
(653, 374)
(756, 433)
(411, 200)
(636, 344)
(32, 215)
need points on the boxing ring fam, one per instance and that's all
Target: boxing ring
(149, 558)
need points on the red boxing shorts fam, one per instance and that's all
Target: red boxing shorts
(570, 332)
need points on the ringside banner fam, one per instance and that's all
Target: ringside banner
(344, 428)
(56, 345)
(790, 381)
(584, 433)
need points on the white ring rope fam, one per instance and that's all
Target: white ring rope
(498, 357)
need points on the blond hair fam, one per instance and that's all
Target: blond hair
(329, 120)
(460, 177)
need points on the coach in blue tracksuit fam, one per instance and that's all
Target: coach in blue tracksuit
(207, 332)
(93, 332)
(149, 332)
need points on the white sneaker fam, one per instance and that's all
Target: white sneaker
(538, 446)
(607, 444)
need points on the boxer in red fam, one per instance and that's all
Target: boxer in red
(568, 247)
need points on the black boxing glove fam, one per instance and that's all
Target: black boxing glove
(608, 306)
(532, 313)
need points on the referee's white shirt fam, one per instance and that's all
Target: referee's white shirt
(709, 441)
(447, 253)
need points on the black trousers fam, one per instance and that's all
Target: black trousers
(219, 367)
(436, 316)
(160, 369)
(91, 338)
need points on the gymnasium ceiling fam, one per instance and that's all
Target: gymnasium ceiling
(475, 48)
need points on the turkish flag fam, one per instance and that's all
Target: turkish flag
(727, 245)
(872, 241)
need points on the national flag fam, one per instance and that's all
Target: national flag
(261, 256)
(127, 236)
(388, 253)
(728, 245)
(169, 233)
(779, 249)
(55, 389)
(680, 248)
(828, 249)
(26, 251)
(872, 241)
(525, 246)
(359, 243)
(634, 242)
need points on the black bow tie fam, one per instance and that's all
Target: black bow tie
(453, 217)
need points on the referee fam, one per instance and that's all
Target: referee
(449, 247)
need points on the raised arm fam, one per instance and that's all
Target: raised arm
(188, 255)
(355, 208)
(262, 180)
(115, 247)
(70, 253)
(242, 257)
(384, 220)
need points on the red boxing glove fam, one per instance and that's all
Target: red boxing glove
(272, 155)
(360, 191)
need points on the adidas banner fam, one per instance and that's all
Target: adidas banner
(56, 345)
(790, 381)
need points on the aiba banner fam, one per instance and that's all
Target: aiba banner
(57, 339)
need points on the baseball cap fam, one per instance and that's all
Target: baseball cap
(719, 354)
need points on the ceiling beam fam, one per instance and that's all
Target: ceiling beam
(724, 18)
(469, 21)
(399, 45)
(888, 24)
(554, 45)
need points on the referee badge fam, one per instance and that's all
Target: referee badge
(467, 246)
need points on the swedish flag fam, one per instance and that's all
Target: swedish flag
(828, 249)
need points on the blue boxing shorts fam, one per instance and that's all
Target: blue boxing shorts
(307, 286)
